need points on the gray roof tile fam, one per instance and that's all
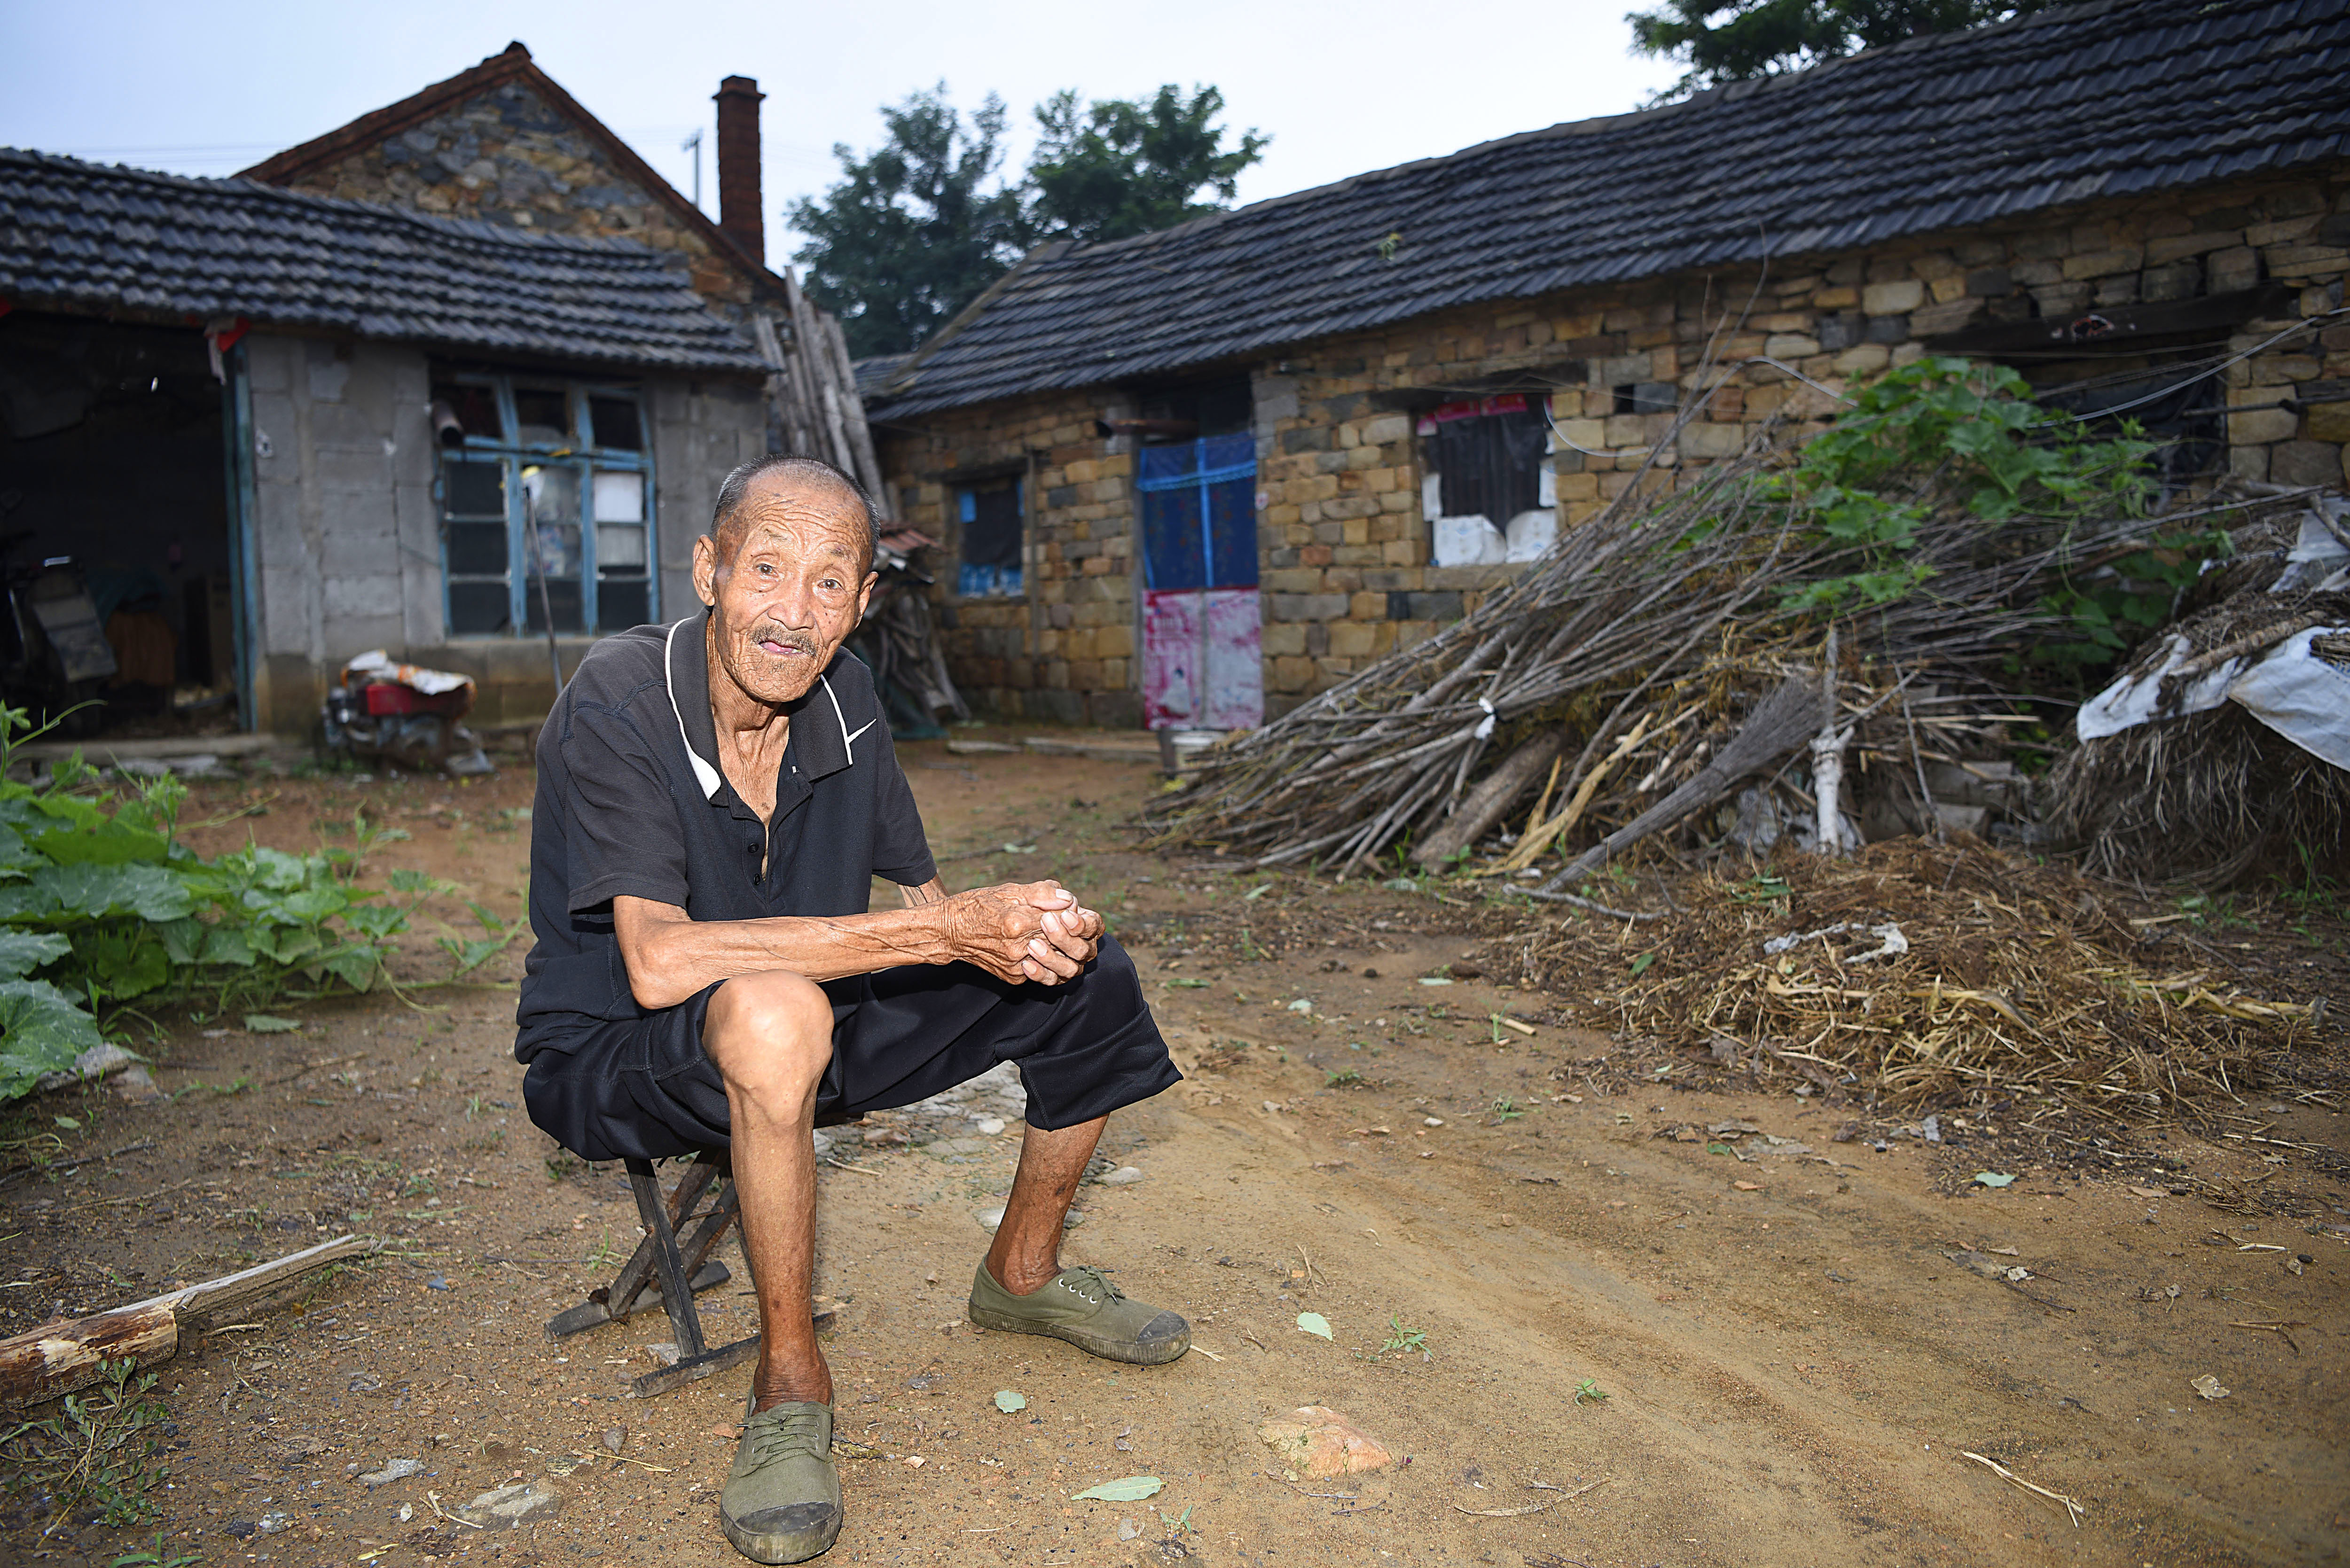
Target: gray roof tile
(2114, 98)
(87, 236)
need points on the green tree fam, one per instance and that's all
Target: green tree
(910, 235)
(1119, 168)
(1737, 40)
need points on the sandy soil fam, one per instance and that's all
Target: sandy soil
(1794, 1367)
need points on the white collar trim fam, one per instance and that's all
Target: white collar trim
(847, 740)
(705, 775)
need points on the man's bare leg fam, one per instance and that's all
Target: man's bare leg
(771, 1037)
(1027, 1250)
(1015, 1290)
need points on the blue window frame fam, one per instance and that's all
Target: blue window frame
(1199, 514)
(991, 541)
(547, 506)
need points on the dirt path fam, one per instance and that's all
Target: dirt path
(1791, 1363)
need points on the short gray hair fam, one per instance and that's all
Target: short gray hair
(737, 486)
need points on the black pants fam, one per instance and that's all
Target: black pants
(644, 1087)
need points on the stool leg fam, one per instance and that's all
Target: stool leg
(677, 1294)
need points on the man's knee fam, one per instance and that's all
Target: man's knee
(769, 1034)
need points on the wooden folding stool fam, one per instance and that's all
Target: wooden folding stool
(664, 1270)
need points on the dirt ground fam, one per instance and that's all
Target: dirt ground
(1779, 1360)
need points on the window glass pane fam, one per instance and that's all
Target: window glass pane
(621, 603)
(555, 518)
(614, 422)
(544, 414)
(477, 549)
(620, 547)
(476, 407)
(619, 497)
(991, 528)
(474, 489)
(477, 608)
(565, 595)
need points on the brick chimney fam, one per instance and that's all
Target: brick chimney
(738, 165)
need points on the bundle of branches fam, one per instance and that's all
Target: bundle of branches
(2212, 796)
(1660, 632)
(1915, 973)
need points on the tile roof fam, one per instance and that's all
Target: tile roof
(874, 370)
(318, 156)
(2116, 98)
(87, 236)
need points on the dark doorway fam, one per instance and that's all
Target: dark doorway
(112, 482)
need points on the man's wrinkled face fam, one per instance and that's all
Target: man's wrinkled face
(786, 582)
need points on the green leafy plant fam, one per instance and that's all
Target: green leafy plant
(471, 954)
(99, 1455)
(1946, 431)
(2111, 605)
(1507, 1110)
(101, 905)
(1589, 1392)
(1344, 1077)
(1402, 1341)
(2213, 911)
(2314, 895)
(1761, 890)
(156, 1554)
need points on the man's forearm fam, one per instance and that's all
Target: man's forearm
(670, 957)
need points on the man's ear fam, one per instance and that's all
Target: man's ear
(864, 592)
(705, 571)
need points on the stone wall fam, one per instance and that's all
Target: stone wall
(1345, 550)
(507, 156)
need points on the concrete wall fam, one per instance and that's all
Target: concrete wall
(348, 529)
(1346, 553)
(347, 546)
(701, 431)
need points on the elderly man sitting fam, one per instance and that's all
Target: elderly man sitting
(714, 799)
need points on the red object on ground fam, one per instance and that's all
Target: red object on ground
(389, 696)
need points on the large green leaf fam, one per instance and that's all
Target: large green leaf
(43, 1032)
(312, 905)
(285, 944)
(150, 892)
(107, 842)
(14, 859)
(121, 958)
(229, 945)
(182, 939)
(376, 919)
(355, 966)
(22, 952)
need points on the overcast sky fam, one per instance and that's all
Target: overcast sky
(208, 89)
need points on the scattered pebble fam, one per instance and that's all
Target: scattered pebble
(397, 1470)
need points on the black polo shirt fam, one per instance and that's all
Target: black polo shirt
(631, 800)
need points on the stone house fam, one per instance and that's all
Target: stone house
(301, 427)
(423, 383)
(1199, 476)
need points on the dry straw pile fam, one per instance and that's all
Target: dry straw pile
(1922, 973)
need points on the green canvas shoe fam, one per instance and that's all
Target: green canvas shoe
(782, 1501)
(1083, 1307)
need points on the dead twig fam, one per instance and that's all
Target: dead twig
(2281, 1330)
(2072, 1508)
